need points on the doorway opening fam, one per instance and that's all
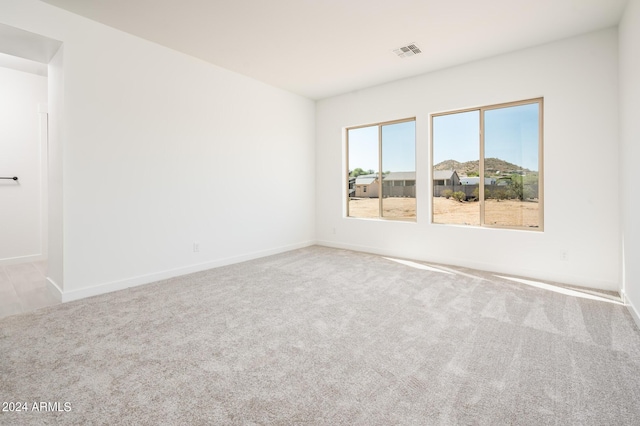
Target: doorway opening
(29, 263)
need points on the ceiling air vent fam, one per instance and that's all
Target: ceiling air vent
(406, 51)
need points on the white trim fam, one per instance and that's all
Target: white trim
(44, 176)
(163, 275)
(566, 279)
(22, 259)
(632, 309)
(54, 289)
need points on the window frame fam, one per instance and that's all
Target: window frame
(481, 165)
(380, 173)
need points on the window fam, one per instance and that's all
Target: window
(382, 159)
(499, 146)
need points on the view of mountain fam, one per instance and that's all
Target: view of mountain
(493, 165)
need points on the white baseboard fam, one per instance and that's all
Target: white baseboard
(22, 259)
(67, 296)
(632, 309)
(503, 269)
(54, 289)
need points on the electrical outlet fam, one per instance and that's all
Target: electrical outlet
(564, 255)
(333, 231)
(196, 247)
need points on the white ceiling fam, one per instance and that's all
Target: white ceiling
(321, 48)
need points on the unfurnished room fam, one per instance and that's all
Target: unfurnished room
(319, 212)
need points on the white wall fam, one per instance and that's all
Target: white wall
(156, 148)
(578, 79)
(21, 154)
(630, 150)
(55, 219)
(158, 151)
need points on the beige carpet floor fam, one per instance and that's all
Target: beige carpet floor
(324, 336)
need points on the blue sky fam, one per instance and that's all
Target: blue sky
(398, 147)
(457, 137)
(511, 134)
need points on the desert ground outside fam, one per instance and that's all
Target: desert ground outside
(450, 211)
